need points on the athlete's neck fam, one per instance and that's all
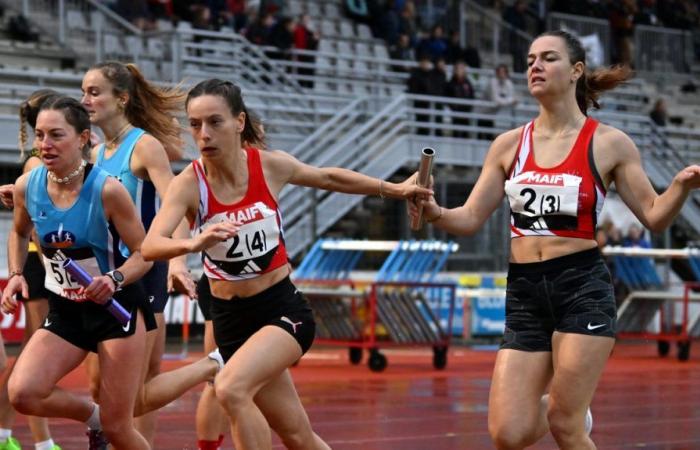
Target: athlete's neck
(558, 116)
(114, 129)
(230, 166)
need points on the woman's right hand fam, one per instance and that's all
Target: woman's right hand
(6, 192)
(214, 234)
(431, 210)
(15, 285)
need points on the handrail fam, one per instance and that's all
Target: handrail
(495, 18)
(116, 17)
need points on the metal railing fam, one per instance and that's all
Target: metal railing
(583, 26)
(659, 49)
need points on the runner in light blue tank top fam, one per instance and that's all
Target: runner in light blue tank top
(142, 192)
(81, 231)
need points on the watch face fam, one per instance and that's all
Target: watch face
(118, 276)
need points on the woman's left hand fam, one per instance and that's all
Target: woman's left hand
(180, 280)
(689, 177)
(100, 290)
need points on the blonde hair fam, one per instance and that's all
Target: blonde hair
(28, 112)
(149, 107)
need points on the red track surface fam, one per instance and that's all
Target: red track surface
(643, 401)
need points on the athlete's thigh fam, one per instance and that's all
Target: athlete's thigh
(579, 361)
(518, 382)
(262, 358)
(44, 361)
(122, 371)
(36, 311)
(279, 402)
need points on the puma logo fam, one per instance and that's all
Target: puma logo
(293, 324)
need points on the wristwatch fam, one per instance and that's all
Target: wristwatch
(117, 277)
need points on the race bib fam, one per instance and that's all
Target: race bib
(535, 194)
(253, 247)
(59, 281)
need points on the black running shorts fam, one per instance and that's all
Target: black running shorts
(569, 294)
(281, 305)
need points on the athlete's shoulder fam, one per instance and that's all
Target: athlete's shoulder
(610, 138)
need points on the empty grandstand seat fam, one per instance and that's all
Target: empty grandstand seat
(363, 31)
(76, 20)
(347, 30)
(327, 28)
(332, 11)
(134, 45)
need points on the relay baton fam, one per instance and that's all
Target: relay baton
(424, 171)
(84, 279)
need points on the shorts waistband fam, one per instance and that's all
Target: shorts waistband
(281, 288)
(578, 259)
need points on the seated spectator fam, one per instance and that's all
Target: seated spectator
(402, 51)
(136, 12)
(659, 114)
(389, 23)
(461, 88)
(438, 88)
(622, 15)
(501, 89)
(408, 23)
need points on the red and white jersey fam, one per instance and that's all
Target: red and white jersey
(564, 200)
(258, 247)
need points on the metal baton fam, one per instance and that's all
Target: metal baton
(424, 171)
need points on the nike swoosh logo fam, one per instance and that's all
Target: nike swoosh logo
(126, 327)
(47, 323)
(594, 327)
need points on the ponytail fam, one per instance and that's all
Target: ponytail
(591, 84)
(149, 107)
(28, 112)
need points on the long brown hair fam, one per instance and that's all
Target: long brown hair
(149, 107)
(28, 112)
(593, 83)
(252, 129)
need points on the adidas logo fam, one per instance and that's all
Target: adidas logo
(251, 267)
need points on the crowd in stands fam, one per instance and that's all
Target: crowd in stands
(625, 15)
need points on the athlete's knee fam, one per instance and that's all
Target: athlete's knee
(24, 397)
(296, 435)
(512, 436)
(115, 428)
(564, 425)
(232, 394)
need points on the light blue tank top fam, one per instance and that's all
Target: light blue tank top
(80, 231)
(142, 192)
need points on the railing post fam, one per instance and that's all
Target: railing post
(177, 57)
(99, 38)
(25, 8)
(61, 21)
(496, 39)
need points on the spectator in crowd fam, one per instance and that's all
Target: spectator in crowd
(408, 22)
(461, 88)
(389, 23)
(515, 17)
(402, 51)
(282, 37)
(502, 93)
(236, 13)
(622, 15)
(305, 39)
(136, 12)
(647, 13)
(419, 83)
(435, 45)
(259, 32)
(635, 237)
(438, 88)
(659, 114)
(455, 52)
